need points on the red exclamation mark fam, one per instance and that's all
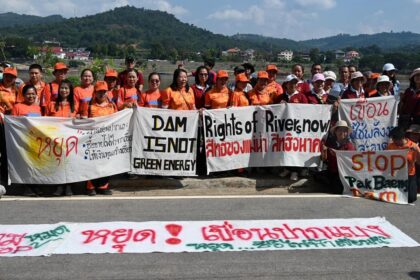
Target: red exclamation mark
(174, 230)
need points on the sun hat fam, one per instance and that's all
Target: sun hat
(341, 123)
(291, 77)
(389, 67)
(383, 79)
(101, 85)
(356, 75)
(330, 75)
(318, 77)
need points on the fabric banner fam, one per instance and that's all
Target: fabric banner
(371, 120)
(50, 150)
(199, 236)
(258, 136)
(380, 175)
(165, 142)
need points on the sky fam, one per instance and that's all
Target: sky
(292, 19)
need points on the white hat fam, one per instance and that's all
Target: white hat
(383, 79)
(330, 75)
(356, 75)
(291, 77)
(415, 72)
(389, 67)
(341, 124)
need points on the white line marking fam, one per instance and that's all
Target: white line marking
(73, 198)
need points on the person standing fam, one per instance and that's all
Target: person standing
(51, 92)
(201, 87)
(355, 89)
(218, 97)
(130, 64)
(179, 95)
(274, 89)
(152, 98)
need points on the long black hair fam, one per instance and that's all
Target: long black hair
(70, 98)
(174, 84)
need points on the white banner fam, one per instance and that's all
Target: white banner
(199, 236)
(165, 142)
(371, 120)
(257, 136)
(380, 175)
(46, 150)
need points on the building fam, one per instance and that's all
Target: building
(78, 54)
(232, 52)
(351, 55)
(55, 51)
(286, 55)
(248, 55)
(340, 55)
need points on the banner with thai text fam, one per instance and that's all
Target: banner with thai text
(47, 150)
(371, 120)
(199, 236)
(258, 136)
(165, 142)
(380, 175)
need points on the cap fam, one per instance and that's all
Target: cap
(271, 67)
(356, 75)
(222, 74)
(11, 71)
(383, 79)
(415, 72)
(318, 77)
(330, 75)
(242, 78)
(262, 75)
(60, 66)
(101, 85)
(389, 67)
(341, 123)
(111, 73)
(291, 77)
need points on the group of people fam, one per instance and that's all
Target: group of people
(213, 90)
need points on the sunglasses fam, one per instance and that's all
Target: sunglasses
(155, 81)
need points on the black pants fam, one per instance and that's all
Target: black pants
(201, 167)
(335, 186)
(412, 188)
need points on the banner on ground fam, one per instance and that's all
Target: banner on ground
(199, 236)
(371, 120)
(258, 136)
(165, 142)
(50, 150)
(380, 175)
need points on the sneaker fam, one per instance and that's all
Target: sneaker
(105, 192)
(294, 176)
(284, 173)
(68, 191)
(91, 192)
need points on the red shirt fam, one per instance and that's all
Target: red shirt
(199, 93)
(314, 98)
(410, 100)
(332, 157)
(350, 93)
(296, 97)
(303, 87)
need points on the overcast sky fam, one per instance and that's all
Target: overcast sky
(293, 19)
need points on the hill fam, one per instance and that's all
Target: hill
(13, 19)
(270, 42)
(386, 40)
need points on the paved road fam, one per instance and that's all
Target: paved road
(380, 263)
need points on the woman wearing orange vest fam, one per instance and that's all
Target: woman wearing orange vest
(28, 108)
(152, 98)
(128, 95)
(111, 79)
(64, 106)
(83, 94)
(237, 97)
(259, 95)
(179, 95)
(218, 97)
(99, 106)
